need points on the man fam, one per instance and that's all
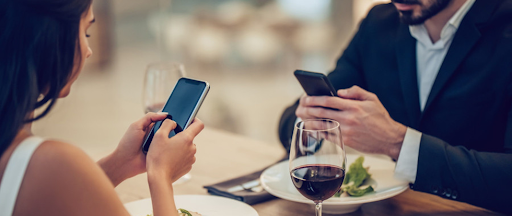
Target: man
(432, 80)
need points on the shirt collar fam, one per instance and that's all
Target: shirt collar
(461, 13)
(420, 32)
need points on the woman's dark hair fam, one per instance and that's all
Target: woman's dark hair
(39, 46)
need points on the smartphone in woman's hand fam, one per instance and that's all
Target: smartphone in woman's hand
(182, 106)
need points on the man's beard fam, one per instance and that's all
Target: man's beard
(408, 17)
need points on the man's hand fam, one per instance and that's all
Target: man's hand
(128, 160)
(365, 123)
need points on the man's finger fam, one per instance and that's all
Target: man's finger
(195, 128)
(151, 117)
(323, 113)
(356, 93)
(302, 99)
(167, 126)
(329, 102)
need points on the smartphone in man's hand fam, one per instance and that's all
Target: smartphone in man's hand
(315, 84)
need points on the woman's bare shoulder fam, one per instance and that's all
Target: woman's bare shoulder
(62, 179)
(56, 152)
(55, 158)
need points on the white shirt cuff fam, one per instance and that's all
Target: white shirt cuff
(407, 164)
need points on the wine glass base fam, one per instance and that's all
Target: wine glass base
(183, 179)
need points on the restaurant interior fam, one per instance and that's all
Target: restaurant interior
(247, 50)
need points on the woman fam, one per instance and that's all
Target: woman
(43, 46)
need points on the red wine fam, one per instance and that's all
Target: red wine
(318, 182)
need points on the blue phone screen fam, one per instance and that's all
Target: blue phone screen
(180, 106)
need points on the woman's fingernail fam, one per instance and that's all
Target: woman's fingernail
(162, 113)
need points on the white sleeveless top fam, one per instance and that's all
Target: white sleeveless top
(14, 172)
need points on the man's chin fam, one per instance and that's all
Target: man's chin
(418, 16)
(409, 20)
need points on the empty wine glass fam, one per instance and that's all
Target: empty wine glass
(159, 82)
(160, 79)
(317, 160)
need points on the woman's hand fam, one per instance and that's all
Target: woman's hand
(128, 160)
(170, 158)
(167, 160)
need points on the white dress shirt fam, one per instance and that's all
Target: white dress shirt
(429, 57)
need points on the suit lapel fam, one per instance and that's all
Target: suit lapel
(464, 40)
(406, 57)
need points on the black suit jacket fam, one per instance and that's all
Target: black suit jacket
(469, 106)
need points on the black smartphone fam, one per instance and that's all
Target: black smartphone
(182, 106)
(315, 84)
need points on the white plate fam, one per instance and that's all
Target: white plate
(276, 180)
(205, 205)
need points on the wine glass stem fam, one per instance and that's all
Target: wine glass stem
(318, 209)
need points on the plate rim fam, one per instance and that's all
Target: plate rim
(192, 195)
(391, 192)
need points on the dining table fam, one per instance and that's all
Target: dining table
(223, 155)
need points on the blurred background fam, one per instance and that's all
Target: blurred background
(246, 49)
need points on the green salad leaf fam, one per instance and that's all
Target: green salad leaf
(182, 211)
(356, 174)
(354, 178)
(357, 192)
(185, 212)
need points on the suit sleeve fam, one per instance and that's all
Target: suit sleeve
(454, 172)
(479, 178)
(348, 72)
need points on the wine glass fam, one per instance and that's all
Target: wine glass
(160, 79)
(317, 160)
